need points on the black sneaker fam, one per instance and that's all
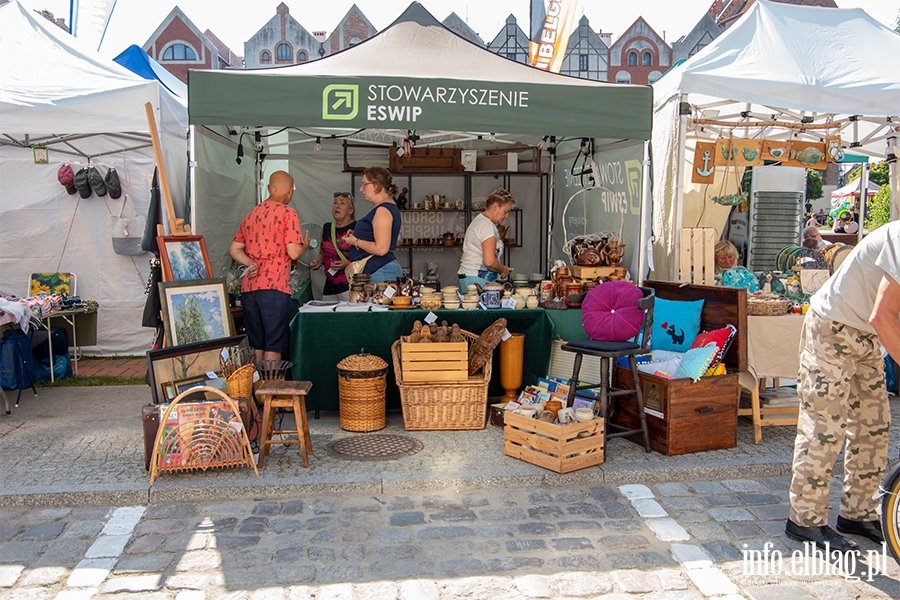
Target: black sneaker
(868, 529)
(819, 536)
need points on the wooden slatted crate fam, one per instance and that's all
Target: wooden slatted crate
(698, 261)
(555, 447)
(435, 362)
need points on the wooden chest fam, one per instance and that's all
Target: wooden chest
(683, 416)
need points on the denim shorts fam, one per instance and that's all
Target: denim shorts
(267, 316)
(389, 272)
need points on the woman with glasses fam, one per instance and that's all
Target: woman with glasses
(334, 252)
(375, 235)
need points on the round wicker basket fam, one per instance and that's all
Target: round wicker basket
(767, 306)
(362, 379)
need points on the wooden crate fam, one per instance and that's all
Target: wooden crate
(554, 447)
(682, 416)
(426, 160)
(698, 260)
(498, 162)
(436, 362)
(580, 272)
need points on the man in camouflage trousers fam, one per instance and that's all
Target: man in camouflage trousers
(843, 396)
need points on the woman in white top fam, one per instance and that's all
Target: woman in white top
(482, 246)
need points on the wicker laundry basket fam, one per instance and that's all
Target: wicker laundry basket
(362, 379)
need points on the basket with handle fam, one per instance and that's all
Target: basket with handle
(240, 382)
(273, 370)
(362, 380)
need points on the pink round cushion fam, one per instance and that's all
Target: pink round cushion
(609, 312)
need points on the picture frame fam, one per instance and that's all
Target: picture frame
(41, 155)
(195, 311)
(184, 258)
(167, 366)
(171, 389)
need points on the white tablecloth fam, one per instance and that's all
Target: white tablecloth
(773, 346)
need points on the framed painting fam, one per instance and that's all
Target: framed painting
(195, 311)
(184, 258)
(172, 370)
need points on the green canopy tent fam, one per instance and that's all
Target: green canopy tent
(417, 77)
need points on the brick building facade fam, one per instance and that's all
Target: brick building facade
(639, 56)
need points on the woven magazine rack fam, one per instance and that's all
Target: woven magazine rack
(192, 437)
(362, 380)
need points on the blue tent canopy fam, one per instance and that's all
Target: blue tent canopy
(139, 62)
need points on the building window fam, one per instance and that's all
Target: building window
(179, 52)
(623, 77)
(653, 76)
(265, 57)
(283, 52)
(632, 59)
(511, 55)
(582, 62)
(301, 56)
(646, 59)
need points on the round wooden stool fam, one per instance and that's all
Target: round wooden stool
(284, 394)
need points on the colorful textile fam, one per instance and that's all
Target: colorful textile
(675, 324)
(265, 232)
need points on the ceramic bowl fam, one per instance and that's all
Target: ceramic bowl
(430, 302)
(401, 300)
(470, 305)
(453, 305)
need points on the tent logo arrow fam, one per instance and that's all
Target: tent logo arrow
(340, 102)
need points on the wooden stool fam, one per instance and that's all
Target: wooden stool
(284, 394)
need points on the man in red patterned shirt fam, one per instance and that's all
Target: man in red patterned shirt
(268, 239)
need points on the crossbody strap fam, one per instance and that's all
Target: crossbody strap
(335, 242)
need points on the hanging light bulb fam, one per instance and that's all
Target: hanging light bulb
(318, 144)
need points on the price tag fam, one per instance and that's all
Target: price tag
(508, 303)
(506, 335)
(512, 405)
(483, 307)
(332, 271)
(211, 375)
(430, 318)
(389, 292)
(255, 376)
(224, 354)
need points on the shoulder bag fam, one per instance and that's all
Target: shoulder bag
(127, 232)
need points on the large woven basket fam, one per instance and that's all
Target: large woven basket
(240, 382)
(767, 307)
(362, 379)
(443, 406)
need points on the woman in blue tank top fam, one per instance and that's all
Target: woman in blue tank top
(376, 234)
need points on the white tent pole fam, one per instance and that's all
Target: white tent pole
(863, 199)
(550, 198)
(674, 261)
(646, 210)
(893, 150)
(192, 165)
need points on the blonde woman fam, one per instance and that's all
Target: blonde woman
(482, 247)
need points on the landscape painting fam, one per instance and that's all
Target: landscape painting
(184, 258)
(195, 311)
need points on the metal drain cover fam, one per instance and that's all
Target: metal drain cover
(374, 447)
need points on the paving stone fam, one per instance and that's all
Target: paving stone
(460, 566)
(758, 498)
(292, 507)
(690, 556)
(503, 514)
(707, 487)
(222, 525)
(442, 503)
(163, 526)
(9, 531)
(326, 536)
(42, 576)
(453, 516)
(107, 545)
(579, 526)
(362, 506)
(771, 512)
(721, 551)
(730, 514)
(525, 545)
(355, 552)
(285, 525)
(133, 583)
(90, 572)
(9, 574)
(722, 500)
(580, 584)
(668, 530)
(671, 489)
(42, 532)
(540, 496)
(681, 595)
(603, 493)
(743, 485)
(652, 559)
(691, 516)
(672, 579)
(569, 495)
(181, 510)
(583, 509)
(707, 531)
(769, 545)
(682, 503)
(199, 560)
(82, 529)
(292, 554)
(563, 544)
(533, 586)
(615, 510)
(439, 533)
(323, 506)
(544, 512)
(712, 582)
(404, 552)
(63, 552)
(537, 528)
(267, 508)
(124, 520)
(498, 530)
(579, 562)
(832, 590)
(400, 504)
(744, 530)
(397, 536)
(475, 500)
(635, 491)
(622, 559)
(144, 563)
(622, 541)
(635, 582)
(402, 519)
(254, 525)
(779, 592)
(236, 541)
(623, 526)
(648, 508)
(403, 569)
(776, 483)
(512, 563)
(318, 523)
(54, 514)
(320, 554)
(418, 589)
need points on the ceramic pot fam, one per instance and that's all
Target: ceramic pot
(520, 301)
(532, 302)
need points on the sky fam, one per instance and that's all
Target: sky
(235, 21)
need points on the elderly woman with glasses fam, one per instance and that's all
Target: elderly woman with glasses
(334, 253)
(375, 235)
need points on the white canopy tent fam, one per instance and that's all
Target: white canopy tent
(852, 189)
(781, 72)
(85, 110)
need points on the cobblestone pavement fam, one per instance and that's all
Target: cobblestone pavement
(678, 540)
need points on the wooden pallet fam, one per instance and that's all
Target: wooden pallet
(698, 260)
(437, 362)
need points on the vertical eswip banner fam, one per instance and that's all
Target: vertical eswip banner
(551, 24)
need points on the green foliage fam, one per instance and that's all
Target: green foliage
(813, 184)
(879, 173)
(878, 209)
(189, 322)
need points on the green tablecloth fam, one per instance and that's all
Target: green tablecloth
(319, 341)
(567, 324)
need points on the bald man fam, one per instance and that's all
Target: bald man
(266, 242)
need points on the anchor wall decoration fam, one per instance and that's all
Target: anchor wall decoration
(704, 170)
